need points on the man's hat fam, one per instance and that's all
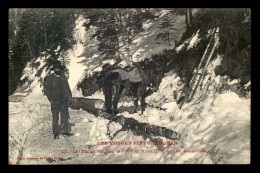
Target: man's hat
(57, 64)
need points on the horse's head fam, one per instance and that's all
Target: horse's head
(155, 76)
(154, 72)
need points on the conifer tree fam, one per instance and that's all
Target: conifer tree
(37, 32)
(116, 28)
(167, 28)
(188, 15)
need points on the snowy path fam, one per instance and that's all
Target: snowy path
(40, 144)
(227, 142)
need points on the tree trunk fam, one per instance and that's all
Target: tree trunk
(28, 44)
(190, 15)
(186, 18)
(169, 38)
(129, 34)
(129, 45)
(145, 129)
(45, 34)
(120, 35)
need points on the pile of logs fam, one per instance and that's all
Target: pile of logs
(94, 106)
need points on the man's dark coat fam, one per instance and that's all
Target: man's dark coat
(58, 92)
(57, 88)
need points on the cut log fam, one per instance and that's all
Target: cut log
(95, 106)
(90, 105)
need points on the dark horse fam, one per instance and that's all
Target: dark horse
(135, 87)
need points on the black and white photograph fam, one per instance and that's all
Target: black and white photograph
(129, 86)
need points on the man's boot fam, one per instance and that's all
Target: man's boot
(109, 110)
(115, 111)
(56, 136)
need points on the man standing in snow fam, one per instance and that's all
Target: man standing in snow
(58, 93)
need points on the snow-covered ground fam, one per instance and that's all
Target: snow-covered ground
(218, 124)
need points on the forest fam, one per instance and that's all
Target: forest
(49, 33)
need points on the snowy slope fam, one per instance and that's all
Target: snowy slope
(219, 124)
(143, 46)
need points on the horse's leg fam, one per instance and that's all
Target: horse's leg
(119, 90)
(142, 99)
(108, 98)
(143, 104)
(135, 104)
(134, 90)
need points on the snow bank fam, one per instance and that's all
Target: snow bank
(171, 82)
(147, 25)
(194, 41)
(219, 123)
(109, 61)
(22, 118)
(98, 131)
(76, 69)
(179, 48)
(123, 64)
(229, 105)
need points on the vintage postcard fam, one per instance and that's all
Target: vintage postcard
(129, 86)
